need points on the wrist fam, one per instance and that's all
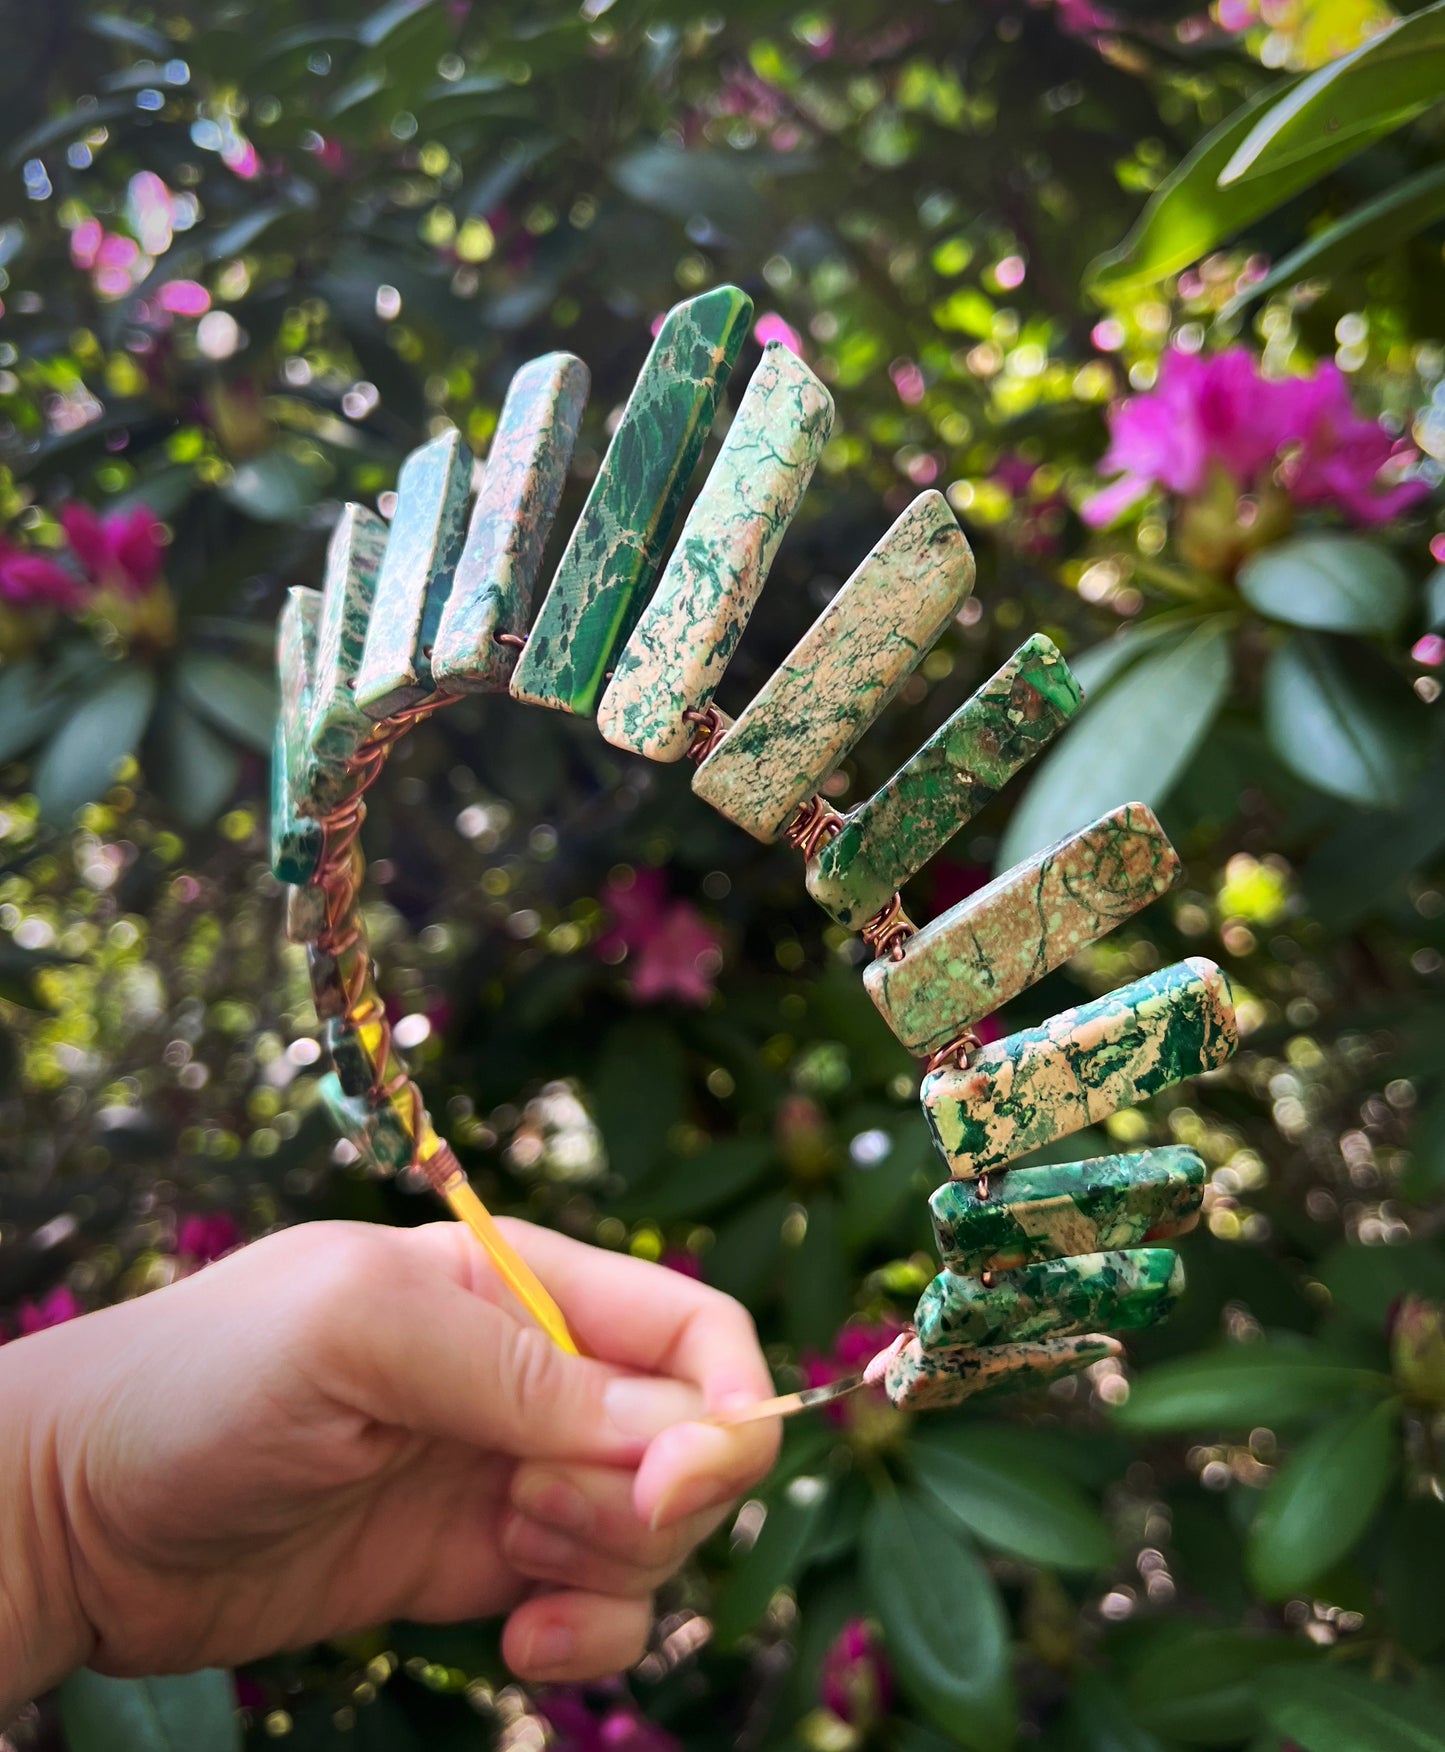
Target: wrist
(43, 1632)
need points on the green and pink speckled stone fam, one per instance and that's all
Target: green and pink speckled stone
(1052, 1212)
(1028, 921)
(842, 673)
(618, 544)
(689, 631)
(1031, 1088)
(888, 839)
(296, 841)
(1053, 1299)
(417, 569)
(521, 488)
(338, 726)
(920, 1380)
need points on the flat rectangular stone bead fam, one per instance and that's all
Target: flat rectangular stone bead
(421, 557)
(1050, 1300)
(295, 841)
(1028, 921)
(338, 725)
(888, 839)
(377, 1134)
(521, 487)
(919, 1380)
(353, 1048)
(331, 975)
(306, 905)
(689, 631)
(1080, 1066)
(1032, 1214)
(843, 671)
(618, 544)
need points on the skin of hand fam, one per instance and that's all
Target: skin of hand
(343, 1424)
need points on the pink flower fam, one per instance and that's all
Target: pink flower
(771, 327)
(122, 551)
(609, 1722)
(52, 1310)
(1218, 416)
(855, 1682)
(29, 579)
(671, 949)
(1342, 457)
(1083, 18)
(185, 298)
(854, 1347)
(678, 1259)
(204, 1238)
(1429, 650)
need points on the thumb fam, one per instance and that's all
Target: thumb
(460, 1368)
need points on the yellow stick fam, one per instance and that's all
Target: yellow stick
(513, 1270)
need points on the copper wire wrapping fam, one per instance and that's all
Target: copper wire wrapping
(517, 641)
(814, 824)
(954, 1056)
(336, 876)
(706, 730)
(889, 929)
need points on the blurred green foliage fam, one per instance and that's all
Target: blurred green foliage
(255, 253)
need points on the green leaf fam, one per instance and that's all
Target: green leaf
(1241, 1388)
(1435, 600)
(689, 184)
(1358, 870)
(1189, 214)
(944, 1622)
(1341, 107)
(276, 487)
(795, 1518)
(1096, 667)
(1339, 724)
(1129, 743)
(1363, 234)
(818, 1286)
(1334, 583)
(191, 769)
(1201, 1686)
(1097, 1719)
(1321, 1500)
(236, 697)
(1326, 1710)
(79, 762)
(1412, 1572)
(196, 1713)
(981, 1478)
(1424, 1177)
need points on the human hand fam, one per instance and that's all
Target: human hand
(343, 1424)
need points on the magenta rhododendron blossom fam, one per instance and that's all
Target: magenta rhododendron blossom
(122, 551)
(1216, 416)
(52, 1310)
(771, 327)
(206, 1237)
(670, 949)
(581, 1720)
(34, 580)
(854, 1347)
(855, 1682)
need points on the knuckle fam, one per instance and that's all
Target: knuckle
(531, 1369)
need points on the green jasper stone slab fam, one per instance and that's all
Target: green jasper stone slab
(421, 557)
(295, 841)
(375, 1133)
(1050, 1300)
(305, 913)
(842, 672)
(330, 975)
(338, 725)
(1080, 1066)
(920, 1380)
(521, 487)
(615, 550)
(1033, 1214)
(888, 839)
(1028, 921)
(689, 631)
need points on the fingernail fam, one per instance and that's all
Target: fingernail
(548, 1498)
(688, 1496)
(641, 1409)
(531, 1546)
(553, 1645)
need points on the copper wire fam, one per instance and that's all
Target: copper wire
(517, 641)
(706, 730)
(814, 824)
(888, 931)
(954, 1056)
